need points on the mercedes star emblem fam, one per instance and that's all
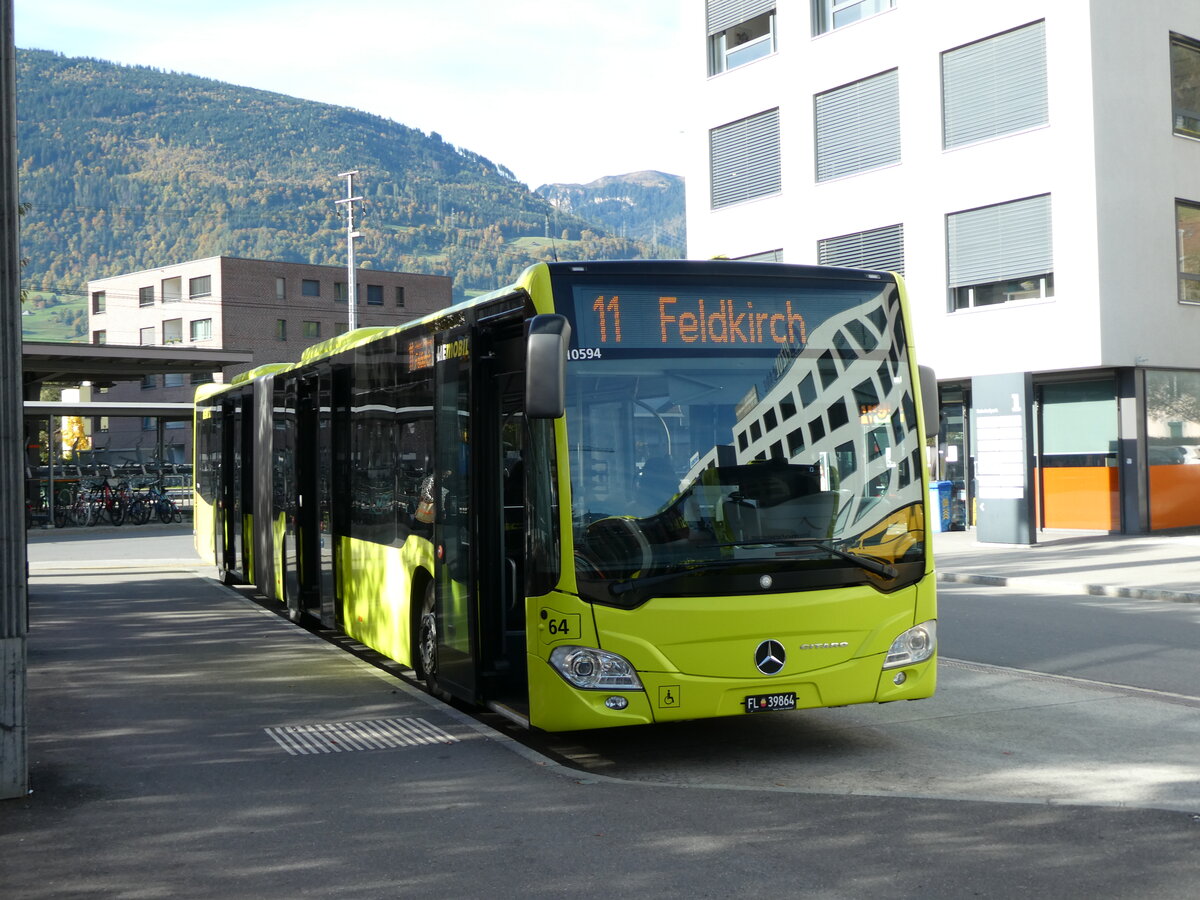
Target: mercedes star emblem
(770, 657)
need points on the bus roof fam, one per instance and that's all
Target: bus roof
(343, 342)
(257, 371)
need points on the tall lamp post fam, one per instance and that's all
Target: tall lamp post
(351, 234)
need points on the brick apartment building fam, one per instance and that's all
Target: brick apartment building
(273, 309)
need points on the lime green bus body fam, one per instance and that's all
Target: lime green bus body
(373, 480)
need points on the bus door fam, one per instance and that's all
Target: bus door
(455, 577)
(229, 509)
(330, 497)
(312, 500)
(324, 496)
(500, 525)
(287, 479)
(226, 558)
(334, 489)
(479, 531)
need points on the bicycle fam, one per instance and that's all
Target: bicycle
(137, 509)
(62, 507)
(103, 502)
(163, 505)
(82, 511)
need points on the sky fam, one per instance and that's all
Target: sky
(554, 90)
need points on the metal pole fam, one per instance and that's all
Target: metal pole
(351, 234)
(50, 470)
(14, 611)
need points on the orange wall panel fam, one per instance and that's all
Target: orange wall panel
(1081, 497)
(1174, 496)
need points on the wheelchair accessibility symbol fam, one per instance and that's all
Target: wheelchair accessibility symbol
(668, 695)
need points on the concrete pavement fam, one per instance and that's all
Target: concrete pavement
(1160, 566)
(185, 742)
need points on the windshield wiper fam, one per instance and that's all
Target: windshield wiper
(870, 563)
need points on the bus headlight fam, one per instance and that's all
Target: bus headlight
(595, 670)
(913, 646)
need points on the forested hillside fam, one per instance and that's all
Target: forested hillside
(129, 168)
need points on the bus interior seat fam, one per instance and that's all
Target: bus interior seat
(781, 502)
(801, 517)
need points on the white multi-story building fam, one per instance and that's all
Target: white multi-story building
(1033, 169)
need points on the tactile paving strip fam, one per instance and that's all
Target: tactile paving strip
(344, 737)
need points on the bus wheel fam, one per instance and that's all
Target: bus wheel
(294, 612)
(427, 640)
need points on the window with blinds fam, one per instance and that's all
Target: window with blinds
(200, 287)
(1001, 253)
(995, 86)
(744, 159)
(858, 126)
(830, 14)
(739, 32)
(879, 248)
(200, 329)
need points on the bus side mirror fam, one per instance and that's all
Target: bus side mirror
(929, 402)
(546, 366)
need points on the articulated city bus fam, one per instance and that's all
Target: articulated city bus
(613, 493)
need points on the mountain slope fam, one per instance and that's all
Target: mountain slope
(130, 168)
(646, 206)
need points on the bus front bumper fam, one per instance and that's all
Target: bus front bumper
(674, 697)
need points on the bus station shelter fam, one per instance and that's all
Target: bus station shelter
(102, 365)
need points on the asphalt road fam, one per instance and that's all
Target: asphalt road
(1041, 699)
(1148, 644)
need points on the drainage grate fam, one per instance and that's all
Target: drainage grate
(342, 737)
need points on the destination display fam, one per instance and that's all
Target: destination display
(420, 353)
(632, 318)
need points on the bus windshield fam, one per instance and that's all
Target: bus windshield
(741, 436)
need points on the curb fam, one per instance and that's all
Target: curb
(105, 567)
(1061, 587)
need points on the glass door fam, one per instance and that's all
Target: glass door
(285, 490)
(954, 458)
(1079, 478)
(454, 601)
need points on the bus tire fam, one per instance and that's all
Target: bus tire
(295, 611)
(426, 656)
